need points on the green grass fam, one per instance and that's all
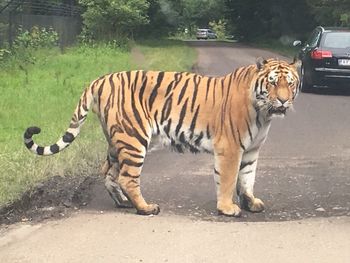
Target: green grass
(166, 55)
(45, 94)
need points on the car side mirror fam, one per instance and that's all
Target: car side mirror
(296, 43)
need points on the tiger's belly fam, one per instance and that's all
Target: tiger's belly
(182, 142)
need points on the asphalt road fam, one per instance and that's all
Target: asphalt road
(303, 177)
(303, 169)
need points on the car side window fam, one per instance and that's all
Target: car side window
(313, 39)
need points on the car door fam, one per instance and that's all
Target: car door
(304, 54)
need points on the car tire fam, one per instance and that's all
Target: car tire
(305, 86)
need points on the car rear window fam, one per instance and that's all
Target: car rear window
(336, 40)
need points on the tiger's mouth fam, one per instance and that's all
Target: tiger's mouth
(277, 111)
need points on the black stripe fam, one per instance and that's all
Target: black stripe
(232, 130)
(143, 87)
(208, 132)
(245, 164)
(193, 122)
(29, 144)
(170, 87)
(100, 89)
(132, 132)
(68, 137)
(167, 128)
(155, 89)
(130, 163)
(166, 109)
(257, 121)
(199, 139)
(126, 146)
(134, 84)
(250, 132)
(156, 121)
(182, 138)
(31, 131)
(240, 140)
(207, 92)
(195, 86)
(111, 82)
(136, 155)
(128, 75)
(54, 148)
(137, 115)
(183, 90)
(216, 172)
(182, 116)
(40, 150)
(126, 174)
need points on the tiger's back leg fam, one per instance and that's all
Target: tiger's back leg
(131, 154)
(110, 170)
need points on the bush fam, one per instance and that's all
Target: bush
(25, 43)
(4, 53)
(219, 28)
(36, 37)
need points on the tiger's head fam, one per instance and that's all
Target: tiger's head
(276, 86)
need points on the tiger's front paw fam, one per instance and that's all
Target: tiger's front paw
(257, 206)
(254, 205)
(229, 210)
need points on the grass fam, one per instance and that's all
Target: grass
(166, 55)
(45, 94)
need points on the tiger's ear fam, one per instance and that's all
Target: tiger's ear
(260, 62)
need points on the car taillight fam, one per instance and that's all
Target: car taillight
(321, 54)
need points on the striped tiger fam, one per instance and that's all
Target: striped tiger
(227, 116)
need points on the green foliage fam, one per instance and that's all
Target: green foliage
(271, 18)
(345, 19)
(22, 53)
(4, 54)
(329, 13)
(219, 27)
(111, 19)
(35, 38)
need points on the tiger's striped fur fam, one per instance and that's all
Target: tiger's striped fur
(227, 116)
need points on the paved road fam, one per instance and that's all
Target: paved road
(303, 174)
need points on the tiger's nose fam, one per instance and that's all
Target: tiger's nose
(282, 101)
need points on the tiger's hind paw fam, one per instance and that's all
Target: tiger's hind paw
(152, 209)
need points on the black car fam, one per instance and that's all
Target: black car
(325, 58)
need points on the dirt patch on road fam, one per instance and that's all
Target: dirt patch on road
(56, 197)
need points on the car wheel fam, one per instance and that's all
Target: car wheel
(305, 86)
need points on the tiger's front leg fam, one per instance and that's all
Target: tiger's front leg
(246, 180)
(226, 173)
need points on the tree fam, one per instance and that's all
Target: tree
(110, 19)
(270, 18)
(331, 12)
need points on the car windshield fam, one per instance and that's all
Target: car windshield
(337, 40)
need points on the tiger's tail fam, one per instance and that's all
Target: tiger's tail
(78, 119)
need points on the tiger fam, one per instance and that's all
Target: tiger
(227, 116)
